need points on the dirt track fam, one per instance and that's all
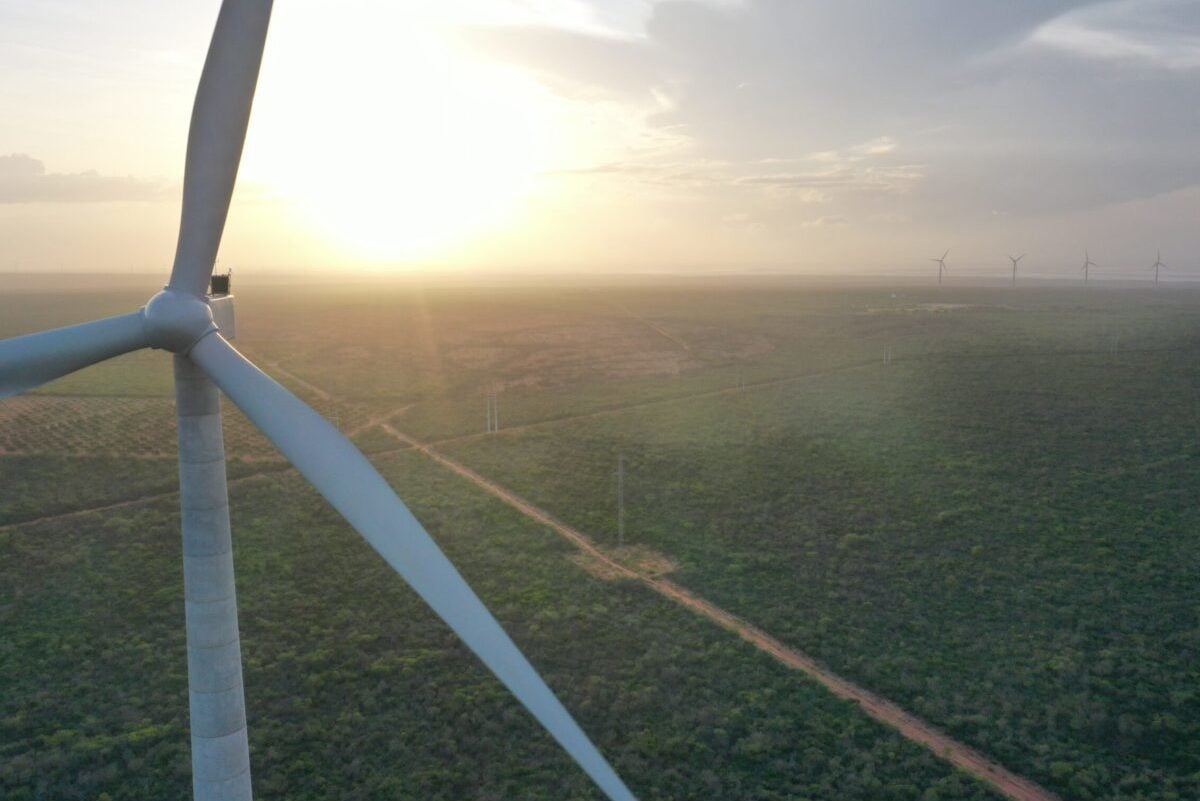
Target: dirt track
(961, 756)
(371, 422)
(140, 499)
(708, 393)
(1007, 783)
(313, 388)
(653, 326)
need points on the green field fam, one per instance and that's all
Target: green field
(996, 530)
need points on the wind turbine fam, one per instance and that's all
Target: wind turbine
(1087, 262)
(180, 319)
(942, 265)
(1014, 260)
(1158, 264)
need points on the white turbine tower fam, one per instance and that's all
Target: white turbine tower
(1158, 264)
(1015, 260)
(942, 265)
(180, 319)
(1087, 263)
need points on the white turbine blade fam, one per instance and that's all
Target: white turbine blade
(349, 482)
(31, 360)
(218, 130)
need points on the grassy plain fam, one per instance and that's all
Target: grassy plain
(995, 530)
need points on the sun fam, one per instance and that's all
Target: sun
(388, 140)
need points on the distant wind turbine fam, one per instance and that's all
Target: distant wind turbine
(1158, 264)
(1014, 260)
(1087, 262)
(942, 265)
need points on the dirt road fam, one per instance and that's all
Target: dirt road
(1009, 784)
(961, 756)
(313, 388)
(371, 422)
(653, 326)
(280, 466)
(708, 393)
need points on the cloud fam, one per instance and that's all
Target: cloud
(813, 178)
(24, 180)
(576, 64)
(879, 147)
(743, 222)
(1034, 108)
(763, 77)
(1163, 34)
(861, 168)
(827, 221)
(880, 180)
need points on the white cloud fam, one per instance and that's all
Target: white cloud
(1154, 33)
(827, 221)
(862, 172)
(876, 147)
(744, 222)
(24, 180)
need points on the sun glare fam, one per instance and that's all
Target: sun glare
(385, 138)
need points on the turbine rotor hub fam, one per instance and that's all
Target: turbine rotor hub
(175, 320)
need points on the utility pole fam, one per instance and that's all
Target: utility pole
(621, 501)
(493, 413)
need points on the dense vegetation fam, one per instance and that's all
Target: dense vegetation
(37, 486)
(995, 530)
(1001, 542)
(356, 690)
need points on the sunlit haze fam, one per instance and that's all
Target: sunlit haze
(620, 136)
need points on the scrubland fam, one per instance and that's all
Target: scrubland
(994, 528)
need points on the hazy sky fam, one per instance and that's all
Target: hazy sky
(856, 135)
